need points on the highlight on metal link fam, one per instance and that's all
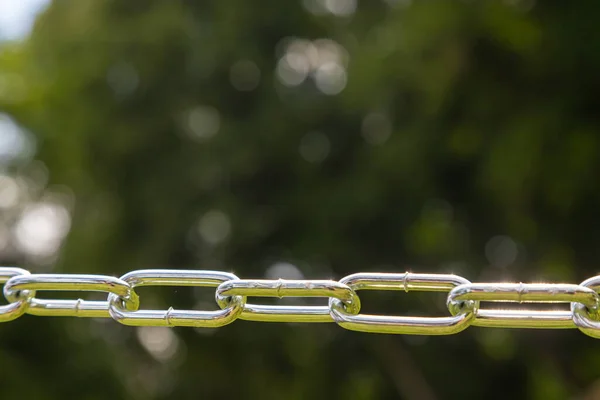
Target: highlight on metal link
(342, 302)
(402, 325)
(172, 317)
(288, 288)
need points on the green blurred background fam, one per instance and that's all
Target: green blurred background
(308, 138)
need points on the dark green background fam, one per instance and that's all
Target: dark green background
(493, 110)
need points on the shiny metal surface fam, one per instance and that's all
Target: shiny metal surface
(525, 293)
(524, 319)
(70, 282)
(522, 293)
(19, 304)
(586, 319)
(402, 325)
(287, 288)
(171, 316)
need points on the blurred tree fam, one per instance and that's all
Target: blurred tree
(334, 136)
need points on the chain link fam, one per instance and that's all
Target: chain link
(522, 293)
(402, 325)
(74, 282)
(463, 301)
(288, 288)
(171, 316)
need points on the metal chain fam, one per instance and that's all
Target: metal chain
(463, 300)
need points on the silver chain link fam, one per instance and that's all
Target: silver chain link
(463, 300)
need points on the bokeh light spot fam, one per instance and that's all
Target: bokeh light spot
(41, 228)
(160, 342)
(283, 270)
(501, 251)
(9, 192)
(331, 78)
(15, 143)
(324, 59)
(202, 122)
(214, 227)
(376, 128)
(338, 8)
(292, 69)
(341, 8)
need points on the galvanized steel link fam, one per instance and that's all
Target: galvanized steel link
(75, 282)
(402, 325)
(171, 316)
(288, 288)
(522, 293)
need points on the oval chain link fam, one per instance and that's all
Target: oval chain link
(171, 316)
(402, 325)
(70, 282)
(287, 288)
(522, 293)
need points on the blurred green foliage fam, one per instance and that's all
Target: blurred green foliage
(465, 140)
